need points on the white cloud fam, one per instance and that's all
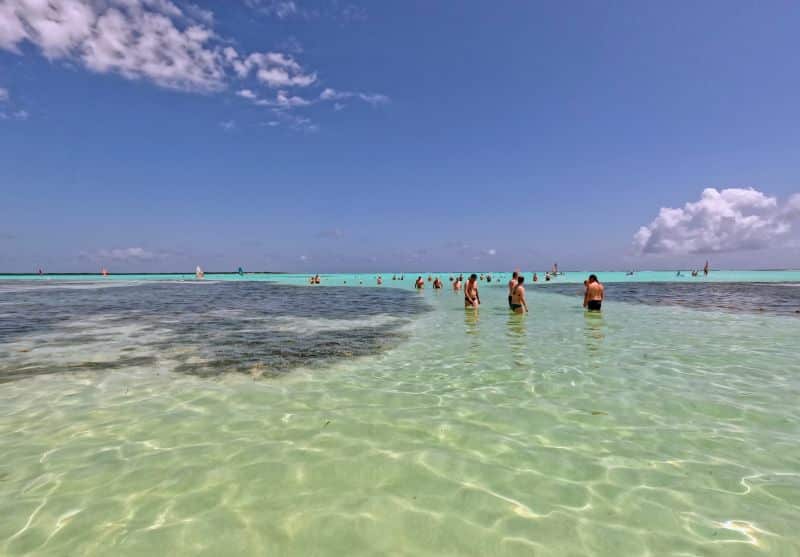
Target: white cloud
(491, 251)
(278, 8)
(721, 221)
(170, 43)
(123, 254)
(374, 99)
(284, 9)
(228, 125)
(16, 115)
(141, 39)
(273, 69)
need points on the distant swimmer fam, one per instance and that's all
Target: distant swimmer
(482, 277)
(512, 284)
(547, 277)
(41, 272)
(419, 284)
(678, 274)
(471, 296)
(535, 277)
(380, 280)
(457, 284)
(104, 272)
(429, 278)
(317, 280)
(198, 273)
(241, 272)
(705, 269)
(518, 304)
(593, 298)
(437, 283)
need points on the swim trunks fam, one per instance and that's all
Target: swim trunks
(594, 305)
(514, 307)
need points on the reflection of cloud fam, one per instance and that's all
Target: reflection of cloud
(726, 220)
(331, 233)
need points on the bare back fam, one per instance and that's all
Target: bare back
(594, 292)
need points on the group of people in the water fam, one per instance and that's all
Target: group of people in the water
(593, 296)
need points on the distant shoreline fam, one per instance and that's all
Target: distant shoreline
(687, 269)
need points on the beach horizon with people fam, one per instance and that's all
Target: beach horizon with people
(342, 278)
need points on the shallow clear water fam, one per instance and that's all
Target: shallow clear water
(647, 430)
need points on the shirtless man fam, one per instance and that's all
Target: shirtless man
(380, 280)
(518, 304)
(471, 297)
(593, 298)
(457, 284)
(512, 284)
(437, 284)
(420, 284)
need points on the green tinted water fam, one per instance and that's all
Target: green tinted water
(641, 431)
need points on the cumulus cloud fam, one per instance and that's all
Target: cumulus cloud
(246, 94)
(141, 39)
(170, 43)
(721, 221)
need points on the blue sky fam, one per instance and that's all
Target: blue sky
(354, 136)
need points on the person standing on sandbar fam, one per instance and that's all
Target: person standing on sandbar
(471, 297)
(517, 301)
(512, 284)
(593, 298)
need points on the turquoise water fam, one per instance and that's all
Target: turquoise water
(647, 430)
(409, 278)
